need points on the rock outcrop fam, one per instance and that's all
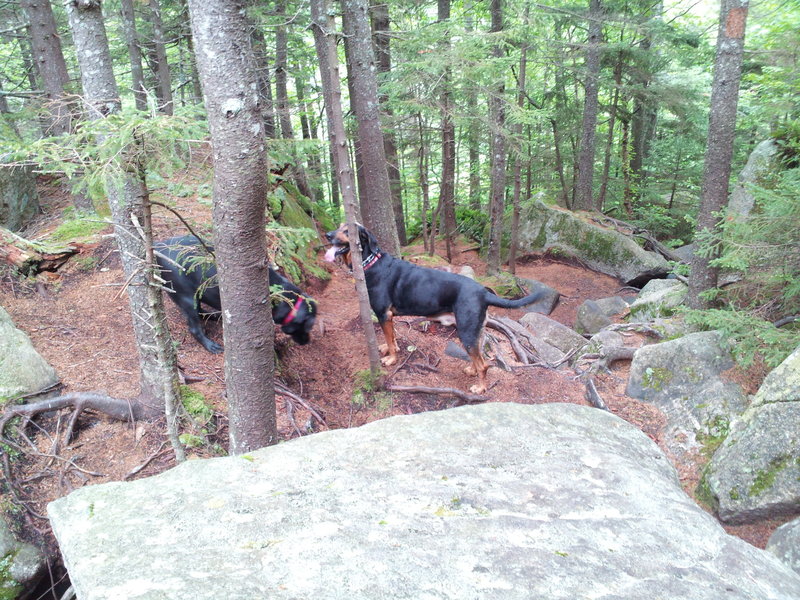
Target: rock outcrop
(755, 473)
(500, 501)
(545, 228)
(683, 378)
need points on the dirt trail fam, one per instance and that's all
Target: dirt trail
(80, 323)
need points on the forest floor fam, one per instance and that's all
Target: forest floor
(78, 319)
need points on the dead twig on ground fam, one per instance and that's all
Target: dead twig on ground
(281, 389)
(419, 389)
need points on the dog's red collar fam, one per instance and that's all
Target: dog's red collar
(371, 260)
(293, 313)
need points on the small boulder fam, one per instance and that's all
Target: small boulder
(21, 564)
(591, 318)
(658, 298)
(547, 303)
(22, 368)
(785, 544)
(553, 332)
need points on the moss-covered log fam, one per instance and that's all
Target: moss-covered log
(29, 257)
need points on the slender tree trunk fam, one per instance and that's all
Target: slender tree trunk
(324, 28)
(719, 145)
(380, 26)
(186, 34)
(612, 121)
(376, 206)
(134, 54)
(225, 63)
(498, 180)
(127, 197)
(428, 235)
(473, 136)
(585, 162)
(263, 72)
(645, 110)
(627, 185)
(512, 251)
(448, 183)
(50, 60)
(163, 76)
(308, 128)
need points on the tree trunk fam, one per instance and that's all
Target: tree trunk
(612, 121)
(448, 183)
(627, 185)
(512, 250)
(127, 197)
(645, 110)
(380, 27)
(50, 60)
(134, 54)
(186, 34)
(324, 28)
(225, 63)
(585, 162)
(376, 207)
(162, 70)
(498, 177)
(719, 145)
(473, 136)
(263, 73)
(309, 129)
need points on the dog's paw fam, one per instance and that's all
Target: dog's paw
(213, 347)
(383, 349)
(470, 370)
(388, 361)
(478, 389)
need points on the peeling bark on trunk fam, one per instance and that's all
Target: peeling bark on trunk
(225, 62)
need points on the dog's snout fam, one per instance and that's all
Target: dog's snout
(329, 235)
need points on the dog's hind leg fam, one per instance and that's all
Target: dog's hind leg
(390, 348)
(189, 310)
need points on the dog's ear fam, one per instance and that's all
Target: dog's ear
(368, 241)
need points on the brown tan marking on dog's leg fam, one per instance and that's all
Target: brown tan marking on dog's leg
(479, 368)
(390, 348)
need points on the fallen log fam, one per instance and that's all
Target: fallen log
(29, 257)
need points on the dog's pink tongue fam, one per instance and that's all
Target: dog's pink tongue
(330, 255)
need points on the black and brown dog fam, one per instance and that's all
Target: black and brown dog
(397, 287)
(190, 281)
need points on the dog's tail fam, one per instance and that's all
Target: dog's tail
(494, 300)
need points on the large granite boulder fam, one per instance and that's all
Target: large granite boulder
(755, 473)
(683, 377)
(544, 228)
(499, 501)
(22, 368)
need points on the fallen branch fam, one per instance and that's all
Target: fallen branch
(419, 389)
(281, 389)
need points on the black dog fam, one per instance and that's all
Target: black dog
(190, 280)
(397, 287)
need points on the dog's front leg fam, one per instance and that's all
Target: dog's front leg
(479, 368)
(390, 348)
